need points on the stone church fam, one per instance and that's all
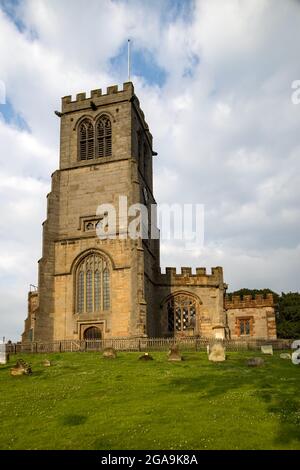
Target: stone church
(90, 287)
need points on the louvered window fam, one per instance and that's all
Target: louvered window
(104, 146)
(86, 140)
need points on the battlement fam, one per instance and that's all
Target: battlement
(247, 301)
(186, 276)
(113, 94)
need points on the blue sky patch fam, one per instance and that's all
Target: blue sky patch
(11, 117)
(142, 64)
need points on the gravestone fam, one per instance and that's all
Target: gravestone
(109, 353)
(173, 354)
(267, 349)
(46, 363)
(146, 357)
(21, 368)
(255, 362)
(217, 353)
(285, 356)
(3, 354)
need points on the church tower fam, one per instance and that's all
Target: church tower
(90, 287)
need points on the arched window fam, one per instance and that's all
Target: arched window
(86, 140)
(103, 131)
(181, 311)
(92, 285)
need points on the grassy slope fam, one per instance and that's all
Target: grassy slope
(87, 402)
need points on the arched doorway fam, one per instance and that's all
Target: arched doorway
(92, 333)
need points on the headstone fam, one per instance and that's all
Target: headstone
(46, 363)
(217, 353)
(295, 344)
(285, 356)
(267, 349)
(173, 354)
(21, 368)
(296, 357)
(146, 357)
(207, 349)
(255, 362)
(3, 355)
(109, 353)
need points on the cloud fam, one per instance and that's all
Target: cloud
(216, 91)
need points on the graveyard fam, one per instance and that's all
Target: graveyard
(87, 401)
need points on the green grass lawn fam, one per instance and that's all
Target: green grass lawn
(87, 402)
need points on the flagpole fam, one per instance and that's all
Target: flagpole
(128, 58)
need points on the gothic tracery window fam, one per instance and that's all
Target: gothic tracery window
(95, 140)
(103, 144)
(86, 140)
(181, 311)
(92, 285)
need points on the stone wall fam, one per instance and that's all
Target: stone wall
(260, 312)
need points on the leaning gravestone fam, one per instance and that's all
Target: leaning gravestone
(267, 349)
(217, 353)
(173, 354)
(255, 362)
(109, 353)
(3, 355)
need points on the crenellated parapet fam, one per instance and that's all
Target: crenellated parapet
(82, 100)
(187, 277)
(247, 301)
(99, 98)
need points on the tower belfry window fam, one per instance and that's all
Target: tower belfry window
(103, 137)
(86, 140)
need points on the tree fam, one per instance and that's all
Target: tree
(288, 315)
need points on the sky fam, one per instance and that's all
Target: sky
(214, 78)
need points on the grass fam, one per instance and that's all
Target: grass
(86, 402)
